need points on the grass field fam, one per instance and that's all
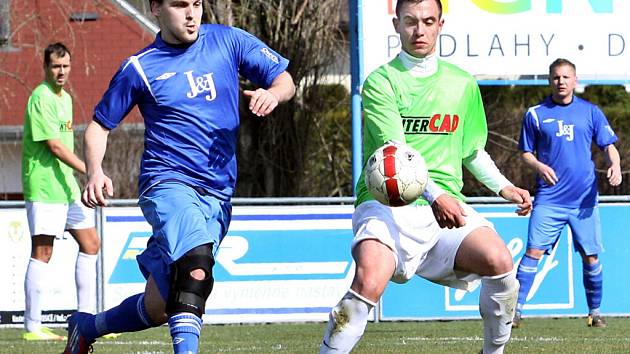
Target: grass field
(563, 335)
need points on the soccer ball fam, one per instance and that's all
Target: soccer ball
(396, 174)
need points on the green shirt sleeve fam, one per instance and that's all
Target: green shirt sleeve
(475, 126)
(43, 119)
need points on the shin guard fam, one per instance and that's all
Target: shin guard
(346, 323)
(496, 305)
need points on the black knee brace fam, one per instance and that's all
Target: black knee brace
(188, 294)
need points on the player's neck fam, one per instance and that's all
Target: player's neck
(55, 88)
(419, 67)
(562, 100)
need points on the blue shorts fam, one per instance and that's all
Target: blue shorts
(547, 222)
(182, 219)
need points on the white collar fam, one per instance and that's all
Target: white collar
(419, 67)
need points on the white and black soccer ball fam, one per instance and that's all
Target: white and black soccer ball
(396, 174)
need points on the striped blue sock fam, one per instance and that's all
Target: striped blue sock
(185, 330)
(525, 275)
(593, 278)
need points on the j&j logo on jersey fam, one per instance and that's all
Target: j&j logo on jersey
(201, 84)
(440, 124)
(565, 130)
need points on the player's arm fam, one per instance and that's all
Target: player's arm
(614, 162)
(546, 172)
(98, 183)
(65, 155)
(446, 209)
(264, 101)
(481, 165)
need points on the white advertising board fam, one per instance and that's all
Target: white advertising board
(514, 41)
(277, 263)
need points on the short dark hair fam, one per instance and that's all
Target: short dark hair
(399, 4)
(560, 62)
(57, 48)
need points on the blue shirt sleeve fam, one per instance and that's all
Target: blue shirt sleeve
(527, 140)
(257, 62)
(603, 134)
(121, 96)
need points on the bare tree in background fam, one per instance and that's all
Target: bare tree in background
(274, 153)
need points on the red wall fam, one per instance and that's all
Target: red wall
(98, 48)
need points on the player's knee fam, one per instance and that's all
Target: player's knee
(499, 261)
(192, 281)
(90, 246)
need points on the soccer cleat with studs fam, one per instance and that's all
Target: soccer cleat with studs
(596, 321)
(43, 333)
(77, 342)
(516, 321)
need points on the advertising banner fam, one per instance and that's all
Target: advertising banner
(514, 41)
(293, 263)
(557, 289)
(275, 264)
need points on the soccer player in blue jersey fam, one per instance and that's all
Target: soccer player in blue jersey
(186, 85)
(556, 139)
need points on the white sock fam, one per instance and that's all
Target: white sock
(497, 302)
(346, 324)
(36, 274)
(85, 278)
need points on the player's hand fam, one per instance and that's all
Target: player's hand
(261, 101)
(519, 196)
(547, 173)
(97, 187)
(448, 212)
(614, 175)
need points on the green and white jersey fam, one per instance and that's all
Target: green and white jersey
(45, 178)
(441, 116)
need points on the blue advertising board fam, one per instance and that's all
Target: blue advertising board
(557, 289)
(294, 264)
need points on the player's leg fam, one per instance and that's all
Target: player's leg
(585, 225)
(135, 313)
(45, 221)
(545, 226)
(192, 225)
(190, 288)
(80, 224)
(484, 253)
(375, 265)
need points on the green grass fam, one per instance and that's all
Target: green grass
(564, 335)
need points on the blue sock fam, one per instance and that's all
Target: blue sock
(525, 275)
(185, 330)
(593, 277)
(130, 316)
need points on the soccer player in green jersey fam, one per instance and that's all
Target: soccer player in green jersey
(52, 194)
(435, 108)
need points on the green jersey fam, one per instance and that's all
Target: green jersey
(45, 178)
(441, 116)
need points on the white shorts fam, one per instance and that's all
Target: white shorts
(420, 246)
(53, 219)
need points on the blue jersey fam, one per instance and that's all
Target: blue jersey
(189, 99)
(561, 137)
